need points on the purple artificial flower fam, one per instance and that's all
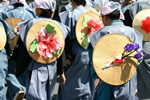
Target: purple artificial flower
(129, 47)
(136, 46)
(138, 55)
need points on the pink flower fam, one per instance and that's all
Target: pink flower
(48, 44)
(94, 25)
(41, 35)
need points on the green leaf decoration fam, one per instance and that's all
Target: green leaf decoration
(85, 42)
(33, 46)
(86, 19)
(58, 51)
(84, 35)
(50, 29)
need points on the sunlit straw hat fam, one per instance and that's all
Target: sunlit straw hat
(32, 34)
(81, 29)
(141, 22)
(13, 22)
(106, 50)
(3, 37)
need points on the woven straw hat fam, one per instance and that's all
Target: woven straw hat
(33, 32)
(3, 37)
(13, 22)
(92, 9)
(106, 50)
(141, 22)
(80, 27)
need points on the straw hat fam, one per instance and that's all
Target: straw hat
(13, 22)
(106, 50)
(80, 27)
(3, 37)
(33, 32)
(141, 22)
(92, 9)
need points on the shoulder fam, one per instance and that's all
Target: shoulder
(105, 29)
(129, 28)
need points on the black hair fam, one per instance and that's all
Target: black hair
(47, 13)
(80, 2)
(18, 5)
(114, 15)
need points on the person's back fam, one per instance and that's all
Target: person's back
(70, 18)
(79, 84)
(131, 7)
(18, 11)
(113, 24)
(37, 86)
(143, 69)
(118, 27)
(3, 63)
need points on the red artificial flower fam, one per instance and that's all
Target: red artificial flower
(117, 61)
(146, 25)
(94, 25)
(17, 29)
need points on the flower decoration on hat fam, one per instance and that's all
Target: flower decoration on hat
(46, 42)
(128, 50)
(146, 25)
(16, 30)
(90, 25)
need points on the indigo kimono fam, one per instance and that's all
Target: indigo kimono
(143, 70)
(43, 76)
(15, 83)
(79, 84)
(126, 91)
(132, 9)
(4, 62)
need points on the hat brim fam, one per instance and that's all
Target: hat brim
(106, 50)
(13, 22)
(92, 9)
(31, 35)
(80, 27)
(137, 23)
(3, 38)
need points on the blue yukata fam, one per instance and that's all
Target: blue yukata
(143, 70)
(24, 13)
(79, 84)
(99, 3)
(44, 76)
(4, 62)
(132, 9)
(138, 6)
(126, 91)
(3, 73)
(89, 3)
(4, 8)
(14, 84)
